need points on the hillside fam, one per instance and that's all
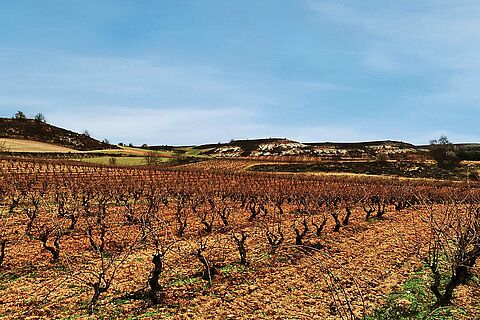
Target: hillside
(286, 147)
(21, 145)
(27, 129)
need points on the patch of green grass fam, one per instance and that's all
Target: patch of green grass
(70, 317)
(3, 287)
(414, 301)
(183, 281)
(150, 314)
(120, 161)
(475, 279)
(191, 152)
(107, 254)
(230, 269)
(264, 256)
(10, 277)
(122, 301)
(116, 313)
(373, 219)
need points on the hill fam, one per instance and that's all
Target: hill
(21, 145)
(28, 129)
(286, 147)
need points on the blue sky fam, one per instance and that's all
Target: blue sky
(191, 72)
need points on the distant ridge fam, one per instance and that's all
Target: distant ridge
(286, 147)
(399, 144)
(28, 129)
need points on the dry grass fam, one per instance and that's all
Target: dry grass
(17, 145)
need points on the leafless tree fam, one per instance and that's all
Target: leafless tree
(453, 245)
(240, 242)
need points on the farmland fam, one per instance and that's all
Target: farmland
(239, 160)
(211, 240)
(18, 145)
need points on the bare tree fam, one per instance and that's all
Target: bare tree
(240, 242)
(111, 243)
(300, 233)
(274, 236)
(203, 252)
(453, 246)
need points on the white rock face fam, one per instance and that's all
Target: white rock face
(322, 151)
(281, 148)
(280, 144)
(390, 150)
(228, 151)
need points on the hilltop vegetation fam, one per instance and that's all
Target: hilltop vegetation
(32, 129)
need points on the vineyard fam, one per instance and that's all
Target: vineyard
(207, 240)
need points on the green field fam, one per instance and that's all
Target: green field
(191, 152)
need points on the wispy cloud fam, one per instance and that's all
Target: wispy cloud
(140, 100)
(166, 126)
(69, 81)
(438, 31)
(312, 70)
(325, 86)
(439, 40)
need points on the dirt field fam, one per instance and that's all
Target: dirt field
(364, 265)
(369, 260)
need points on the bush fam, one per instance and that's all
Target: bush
(444, 153)
(40, 118)
(382, 157)
(152, 158)
(20, 115)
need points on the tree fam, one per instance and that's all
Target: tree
(40, 118)
(444, 153)
(20, 115)
(86, 133)
(453, 245)
(106, 141)
(152, 158)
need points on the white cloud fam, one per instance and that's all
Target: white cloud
(438, 31)
(184, 126)
(325, 86)
(166, 126)
(434, 40)
(338, 13)
(69, 81)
